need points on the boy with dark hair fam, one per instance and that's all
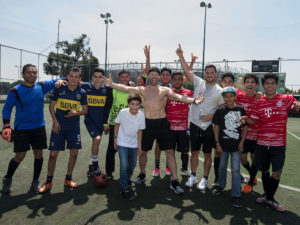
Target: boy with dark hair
(271, 111)
(177, 115)
(119, 101)
(128, 140)
(66, 126)
(229, 141)
(99, 98)
(248, 100)
(29, 125)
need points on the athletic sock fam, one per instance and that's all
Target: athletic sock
(194, 174)
(12, 166)
(49, 179)
(94, 160)
(38, 164)
(68, 177)
(206, 177)
(157, 164)
(185, 161)
(252, 174)
(273, 187)
(247, 167)
(266, 184)
(216, 167)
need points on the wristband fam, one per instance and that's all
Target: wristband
(194, 102)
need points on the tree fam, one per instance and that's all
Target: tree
(76, 53)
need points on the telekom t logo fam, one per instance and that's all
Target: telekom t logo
(268, 112)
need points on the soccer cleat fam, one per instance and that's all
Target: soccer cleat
(255, 180)
(217, 190)
(128, 194)
(191, 181)
(261, 199)
(274, 204)
(6, 185)
(175, 186)
(45, 188)
(243, 179)
(109, 176)
(140, 178)
(168, 172)
(155, 172)
(71, 184)
(246, 189)
(130, 183)
(215, 184)
(35, 186)
(237, 202)
(187, 172)
(202, 185)
(90, 171)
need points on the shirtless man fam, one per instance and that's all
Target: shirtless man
(157, 126)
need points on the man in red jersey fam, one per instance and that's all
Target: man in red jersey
(272, 113)
(177, 115)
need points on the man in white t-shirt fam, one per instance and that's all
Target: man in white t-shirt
(200, 116)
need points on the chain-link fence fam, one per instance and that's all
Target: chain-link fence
(13, 59)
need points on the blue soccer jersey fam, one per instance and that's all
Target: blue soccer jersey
(68, 100)
(99, 104)
(29, 103)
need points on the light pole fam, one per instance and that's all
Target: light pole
(203, 4)
(106, 21)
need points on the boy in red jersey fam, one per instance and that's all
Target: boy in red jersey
(247, 100)
(177, 115)
(272, 113)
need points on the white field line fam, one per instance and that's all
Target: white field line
(245, 175)
(294, 135)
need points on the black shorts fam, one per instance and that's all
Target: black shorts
(249, 146)
(201, 137)
(157, 129)
(181, 140)
(266, 155)
(36, 138)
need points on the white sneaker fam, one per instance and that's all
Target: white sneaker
(202, 185)
(191, 181)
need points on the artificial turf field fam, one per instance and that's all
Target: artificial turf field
(154, 203)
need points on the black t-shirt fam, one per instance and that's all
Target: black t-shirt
(230, 125)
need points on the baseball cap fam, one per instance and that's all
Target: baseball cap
(228, 90)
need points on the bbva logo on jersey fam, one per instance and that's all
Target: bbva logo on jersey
(66, 104)
(96, 100)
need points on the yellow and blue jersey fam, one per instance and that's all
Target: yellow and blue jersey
(68, 100)
(99, 104)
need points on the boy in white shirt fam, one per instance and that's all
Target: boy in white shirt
(127, 139)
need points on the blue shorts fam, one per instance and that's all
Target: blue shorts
(69, 134)
(93, 129)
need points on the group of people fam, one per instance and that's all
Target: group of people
(231, 121)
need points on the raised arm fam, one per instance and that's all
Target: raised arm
(188, 73)
(147, 54)
(121, 87)
(193, 60)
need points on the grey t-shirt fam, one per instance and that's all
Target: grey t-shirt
(212, 100)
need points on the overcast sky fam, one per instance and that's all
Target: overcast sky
(236, 30)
